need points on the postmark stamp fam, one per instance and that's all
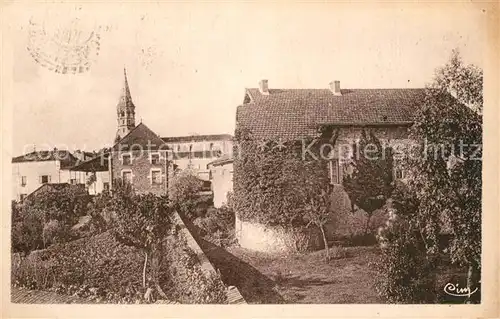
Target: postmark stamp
(64, 41)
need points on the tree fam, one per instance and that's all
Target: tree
(370, 184)
(184, 191)
(318, 212)
(143, 222)
(449, 126)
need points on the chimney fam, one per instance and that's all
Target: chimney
(335, 87)
(263, 87)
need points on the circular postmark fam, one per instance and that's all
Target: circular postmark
(64, 41)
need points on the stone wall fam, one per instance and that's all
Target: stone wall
(263, 238)
(233, 294)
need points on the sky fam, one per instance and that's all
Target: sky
(189, 64)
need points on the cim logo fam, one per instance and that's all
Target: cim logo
(455, 290)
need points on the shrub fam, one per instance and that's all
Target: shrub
(407, 265)
(27, 232)
(217, 226)
(183, 192)
(100, 265)
(55, 232)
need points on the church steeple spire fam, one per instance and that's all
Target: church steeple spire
(125, 110)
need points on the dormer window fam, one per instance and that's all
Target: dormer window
(247, 99)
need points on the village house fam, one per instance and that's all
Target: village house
(280, 115)
(34, 169)
(196, 151)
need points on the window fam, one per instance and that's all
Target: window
(399, 173)
(23, 181)
(44, 179)
(155, 176)
(335, 172)
(73, 181)
(126, 159)
(105, 186)
(127, 176)
(154, 158)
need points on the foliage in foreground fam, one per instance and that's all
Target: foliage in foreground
(447, 177)
(406, 268)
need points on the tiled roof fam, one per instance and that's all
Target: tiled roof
(67, 159)
(197, 138)
(56, 187)
(297, 113)
(96, 164)
(140, 138)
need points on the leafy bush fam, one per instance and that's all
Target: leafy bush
(54, 232)
(407, 266)
(27, 232)
(50, 213)
(183, 192)
(217, 226)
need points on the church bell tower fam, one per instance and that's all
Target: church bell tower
(125, 111)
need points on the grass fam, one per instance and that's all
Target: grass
(308, 278)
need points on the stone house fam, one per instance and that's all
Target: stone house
(142, 159)
(281, 115)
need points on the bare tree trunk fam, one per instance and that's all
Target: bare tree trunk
(327, 250)
(367, 224)
(144, 269)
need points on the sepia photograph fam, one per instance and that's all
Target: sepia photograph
(247, 153)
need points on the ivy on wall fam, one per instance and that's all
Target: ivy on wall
(274, 180)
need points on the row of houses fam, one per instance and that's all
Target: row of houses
(148, 161)
(138, 155)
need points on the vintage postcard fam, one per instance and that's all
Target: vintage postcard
(308, 159)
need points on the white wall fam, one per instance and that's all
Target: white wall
(259, 237)
(199, 165)
(33, 171)
(98, 186)
(222, 183)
